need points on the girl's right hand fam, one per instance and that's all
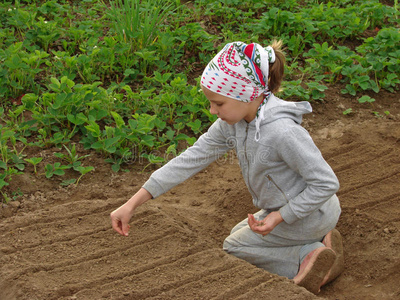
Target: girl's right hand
(120, 220)
(121, 216)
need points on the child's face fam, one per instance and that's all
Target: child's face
(230, 110)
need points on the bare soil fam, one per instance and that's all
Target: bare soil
(57, 243)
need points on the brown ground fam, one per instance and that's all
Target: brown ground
(57, 243)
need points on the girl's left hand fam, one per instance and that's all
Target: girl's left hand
(267, 225)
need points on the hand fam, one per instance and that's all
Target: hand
(267, 225)
(121, 216)
(120, 219)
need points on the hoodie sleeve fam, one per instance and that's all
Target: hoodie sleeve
(207, 149)
(298, 150)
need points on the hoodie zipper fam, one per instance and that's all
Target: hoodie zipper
(248, 164)
(273, 182)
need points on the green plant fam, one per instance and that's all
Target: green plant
(359, 79)
(119, 159)
(365, 99)
(45, 32)
(34, 161)
(82, 170)
(382, 56)
(152, 159)
(20, 69)
(5, 178)
(20, 18)
(316, 90)
(71, 157)
(329, 61)
(10, 157)
(106, 141)
(294, 88)
(138, 22)
(61, 113)
(148, 57)
(55, 169)
(348, 111)
(3, 181)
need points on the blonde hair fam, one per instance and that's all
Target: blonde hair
(276, 70)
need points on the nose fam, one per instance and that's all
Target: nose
(213, 109)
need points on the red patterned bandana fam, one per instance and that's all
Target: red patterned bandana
(240, 71)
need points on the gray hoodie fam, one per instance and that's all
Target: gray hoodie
(283, 171)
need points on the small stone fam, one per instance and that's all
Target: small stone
(386, 230)
(15, 204)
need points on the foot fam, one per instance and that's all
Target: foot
(314, 269)
(333, 240)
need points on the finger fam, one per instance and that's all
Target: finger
(256, 223)
(259, 231)
(266, 232)
(116, 226)
(251, 221)
(125, 229)
(251, 218)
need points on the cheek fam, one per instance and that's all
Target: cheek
(235, 115)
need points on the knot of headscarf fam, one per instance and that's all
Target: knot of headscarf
(240, 71)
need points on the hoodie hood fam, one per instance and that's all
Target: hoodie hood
(277, 108)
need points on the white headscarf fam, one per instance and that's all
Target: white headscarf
(240, 71)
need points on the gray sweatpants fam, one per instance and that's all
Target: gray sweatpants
(282, 250)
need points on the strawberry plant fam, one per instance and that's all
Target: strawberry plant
(382, 55)
(34, 161)
(55, 169)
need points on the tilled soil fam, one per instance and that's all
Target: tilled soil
(57, 243)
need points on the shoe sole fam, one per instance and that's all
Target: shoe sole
(333, 240)
(316, 270)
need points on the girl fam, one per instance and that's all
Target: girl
(293, 234)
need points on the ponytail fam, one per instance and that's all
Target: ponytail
(277, 68)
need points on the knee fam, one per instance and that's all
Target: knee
(228, 245)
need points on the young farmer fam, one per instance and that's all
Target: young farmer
(293, 234)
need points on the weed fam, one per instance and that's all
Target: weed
(138, 22)
(71, 157)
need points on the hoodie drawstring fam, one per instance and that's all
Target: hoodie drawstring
(260, 116)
